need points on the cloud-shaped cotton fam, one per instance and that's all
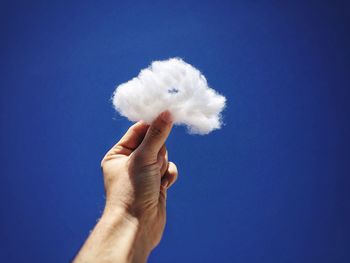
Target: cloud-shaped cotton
(172, 85)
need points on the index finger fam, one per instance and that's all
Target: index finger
(131, 139)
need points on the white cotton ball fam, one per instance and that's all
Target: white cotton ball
(172, 85)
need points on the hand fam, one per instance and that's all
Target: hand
(137, 175)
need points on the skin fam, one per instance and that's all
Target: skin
(137, 175)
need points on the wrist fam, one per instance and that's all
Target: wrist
(117, 237)
(129, 231)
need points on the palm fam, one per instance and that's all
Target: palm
(134, 183)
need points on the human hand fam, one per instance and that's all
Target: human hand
(137, 175)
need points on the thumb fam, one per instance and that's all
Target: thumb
(157, 134)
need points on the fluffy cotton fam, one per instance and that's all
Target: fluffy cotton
(172, 85)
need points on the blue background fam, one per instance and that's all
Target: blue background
(271, 186)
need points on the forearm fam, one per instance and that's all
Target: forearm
(117, 237)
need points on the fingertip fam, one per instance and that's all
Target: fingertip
(166, 117)
(172, 168)
(131, 139)
(137, 129)
(158, 132)
(142, 123)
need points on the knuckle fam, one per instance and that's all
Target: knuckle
(156, 131)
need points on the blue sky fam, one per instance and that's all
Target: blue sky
(271, 186)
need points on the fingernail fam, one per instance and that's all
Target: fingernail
(166, 117)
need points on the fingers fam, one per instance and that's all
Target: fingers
(162, 150)
(170, 176)
(157, 134)
(131, 139)
(168, 180)
(163, 160)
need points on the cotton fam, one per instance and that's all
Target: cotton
(172, 85)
